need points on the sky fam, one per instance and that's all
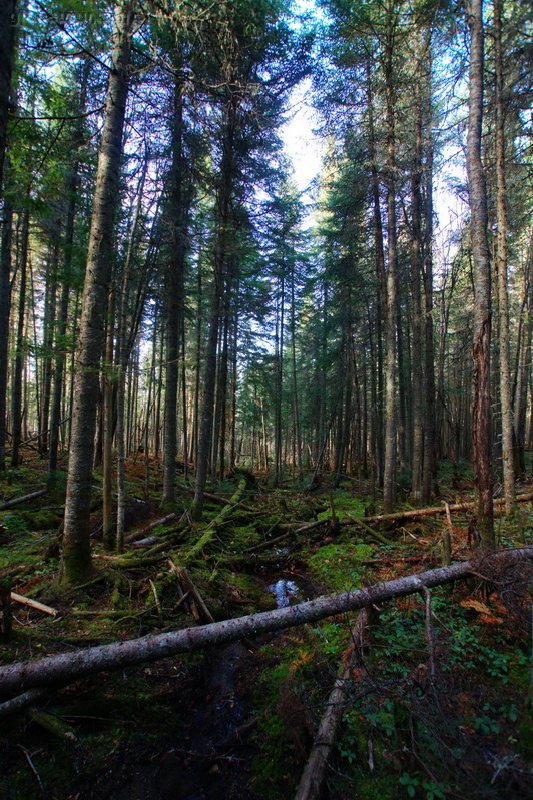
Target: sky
(302, 146)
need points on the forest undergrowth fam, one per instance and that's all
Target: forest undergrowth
(438, 700)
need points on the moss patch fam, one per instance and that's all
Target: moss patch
(339, 566)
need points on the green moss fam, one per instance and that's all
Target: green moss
(41, 520)
(344, 506)
(339, 565)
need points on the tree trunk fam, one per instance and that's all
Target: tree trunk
(8, 22)
(16, 392)
(108, 385)
(222, 245)
(71, 191)
(389, 476)
(481, 417)
(501, 250)
(5, 309)
(76, 564)
(174, 296)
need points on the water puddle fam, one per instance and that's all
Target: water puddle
(284, 591)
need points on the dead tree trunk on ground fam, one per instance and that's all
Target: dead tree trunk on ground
(64, 668)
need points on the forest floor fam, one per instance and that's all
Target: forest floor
(439, 714)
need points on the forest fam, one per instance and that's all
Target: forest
(266, 429)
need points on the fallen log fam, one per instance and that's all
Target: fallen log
(142, 532)
(20, 702)
(310, 786)
(431, 512)
(197, 604)
(209, 531)
(27, 601)
(16, 501)
(67, 667)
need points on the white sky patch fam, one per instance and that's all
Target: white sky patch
(302, 146)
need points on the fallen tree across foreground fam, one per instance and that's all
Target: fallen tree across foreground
(65, 668)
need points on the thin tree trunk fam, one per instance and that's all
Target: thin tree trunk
(5, 309)
(389, 476)
(174, 295)
(481, 418)
(220, 257)
(16, 391)
(501, 249)
(108, 382)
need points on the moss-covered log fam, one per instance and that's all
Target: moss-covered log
(209, 531)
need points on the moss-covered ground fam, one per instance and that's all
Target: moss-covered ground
(447, 719)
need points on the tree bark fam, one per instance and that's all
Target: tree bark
(63, 668)
(502, 255)
(389, 475)
(76, 559)
(16, 391)
(220, 258)
(5, 310)
(174, 296)
(481, 416)
(8, 22)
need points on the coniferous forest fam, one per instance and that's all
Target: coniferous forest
(266, 429)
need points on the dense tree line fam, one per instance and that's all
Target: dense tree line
(166, 293)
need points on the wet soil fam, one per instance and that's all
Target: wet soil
(174, 730)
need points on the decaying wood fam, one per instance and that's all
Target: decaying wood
(197, 605)
(146, 542)
(51, 724)
(27, 601)
(20, 702)
(156, 598)
(209, 531)
(372, 533)
(310, 786)
(432, 512)
(426, 594)
(63, 668)
(142, 532)
(447, 538)
(5, 610)
(16, 501)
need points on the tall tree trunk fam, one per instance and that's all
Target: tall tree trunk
(5, 308)
(501, 250)
(174, 296)
(76, 541)
(8, 22)
(279, 347)
(389, 475)
(417, 370)
(523, 362)
(481, 417)
(381, 287)
(108, 387)
(429, 346)
(49, 324)
(295, 398)
(222, 245)
(16, 391)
